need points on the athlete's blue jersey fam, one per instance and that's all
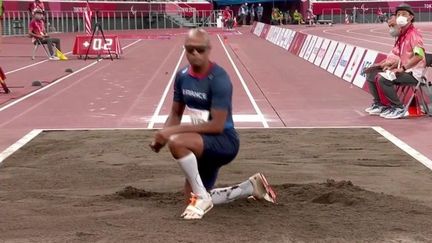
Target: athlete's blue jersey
(214, 91)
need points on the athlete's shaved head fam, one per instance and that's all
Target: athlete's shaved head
(198, 34)
(197, 45)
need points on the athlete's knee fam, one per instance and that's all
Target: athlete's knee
(174, 142)
(182, 144)
(179, 145)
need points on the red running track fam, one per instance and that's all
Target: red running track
(371, 36)
(129, 93)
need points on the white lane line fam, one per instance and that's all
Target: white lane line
(353, 31)
(359, 39)
(150, 81)
(405, 147)
(31, 65)
(67, 53)
(19, 144)
(360, 113)
(131, 44)
(249, 94)
(328, 31)
(46, 87)
(388, 37)
(165, 93)
(54, 83)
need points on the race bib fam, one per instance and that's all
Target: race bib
(198, 116)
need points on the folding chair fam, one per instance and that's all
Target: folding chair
(36, 44)
(422, 90)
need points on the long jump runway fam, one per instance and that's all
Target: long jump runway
(82, 170)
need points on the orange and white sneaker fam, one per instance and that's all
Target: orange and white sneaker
(197, 207)
(261, 188)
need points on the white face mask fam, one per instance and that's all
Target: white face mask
(394, 32)
(402, 21)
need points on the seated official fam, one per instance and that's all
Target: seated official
(38, 33)
(380, 104)
(276, 17)
(298, 17)
(405, 69)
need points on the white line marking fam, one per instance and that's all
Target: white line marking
(352, 31)
(18, 144)
(388, 37)
(350, 37)
(380, 31)
(360, 113)
(31, 65)
(186, 118)
(252, 100)
(56, 82)
(131, 44)
(46, 87)
(165, 93)
(405, 147)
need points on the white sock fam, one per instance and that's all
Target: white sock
(189, 165)
(229, 194)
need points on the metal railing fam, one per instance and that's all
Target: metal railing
(333, 14)
(17, 23)
(370, 15)
(208, 18)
